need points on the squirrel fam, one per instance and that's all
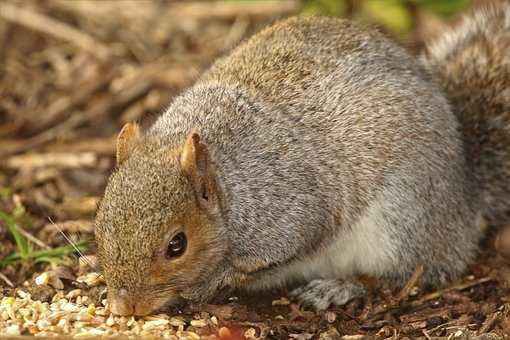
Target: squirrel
(316, 151)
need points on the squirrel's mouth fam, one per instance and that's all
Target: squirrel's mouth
(123, 304)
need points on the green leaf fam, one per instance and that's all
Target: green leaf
(11, 258)
(48, 259)
(26, 251)
(21, 241)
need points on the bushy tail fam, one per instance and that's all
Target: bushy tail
(472, 62)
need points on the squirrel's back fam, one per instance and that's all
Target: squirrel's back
(303, 55)
(472, 62)
(328, 127)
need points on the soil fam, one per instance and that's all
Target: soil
(73, 72)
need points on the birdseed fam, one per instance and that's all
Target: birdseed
(67, 314)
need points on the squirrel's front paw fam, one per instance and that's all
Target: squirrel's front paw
(320, 294)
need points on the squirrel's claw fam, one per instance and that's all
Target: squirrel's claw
(320, 294)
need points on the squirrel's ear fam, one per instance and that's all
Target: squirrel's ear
(194, 156)
(126, 141)
(195, 164)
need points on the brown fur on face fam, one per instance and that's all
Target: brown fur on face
(195, 225)
(134, 260)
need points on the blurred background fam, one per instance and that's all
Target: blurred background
(72, 72)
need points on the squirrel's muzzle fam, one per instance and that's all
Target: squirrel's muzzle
(123, 303)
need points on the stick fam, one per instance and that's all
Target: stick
(119, 99)
(44, 24)
(434, 295)
(59, 109)
(52, 159)
(229, 10)
(489, 323)
(191, 10)
(413, 281)
(6, 279)
(32, 237)
(456, 287)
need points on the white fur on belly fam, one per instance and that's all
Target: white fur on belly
(366, 248)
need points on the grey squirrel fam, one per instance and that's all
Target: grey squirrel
(315, 151)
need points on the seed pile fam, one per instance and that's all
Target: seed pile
(76, 315)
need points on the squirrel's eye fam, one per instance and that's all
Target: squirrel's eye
(176, 246)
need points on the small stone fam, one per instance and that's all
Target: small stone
(214, 320)
(42, 279)
(198, 323)
(13, 330)
(148, 325)
(190, 335)
(23, 295)
(91, 279)
(110, 321)
(176, 322)
(330, 316)
(250, 333)
(42, 324)
(73, 294)
(283, 301)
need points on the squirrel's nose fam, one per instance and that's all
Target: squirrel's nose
(121, 303)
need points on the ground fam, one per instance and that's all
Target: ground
(71, 74)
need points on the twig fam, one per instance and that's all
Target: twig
(125, 96)
(350, 316)
(115, 101)
(52, 159)
(413, 281)
(59, 109)
(6, 279)
(41, 23)
(434, 295)
(489, 323)
(45, 136)
(100, 146)
(32, 237)
(228, 10)
(191, 10)
(401, 296)
(455, 287)
(236, 32)
(438, 327)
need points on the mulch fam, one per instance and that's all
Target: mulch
(73, 72)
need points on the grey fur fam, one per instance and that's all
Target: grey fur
(472, 64)
(320, 294)
(335, 154)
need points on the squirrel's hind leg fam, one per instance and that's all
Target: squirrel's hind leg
(320, 294)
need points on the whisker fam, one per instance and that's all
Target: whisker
(80, 254)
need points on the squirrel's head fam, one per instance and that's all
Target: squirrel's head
(158, 227)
